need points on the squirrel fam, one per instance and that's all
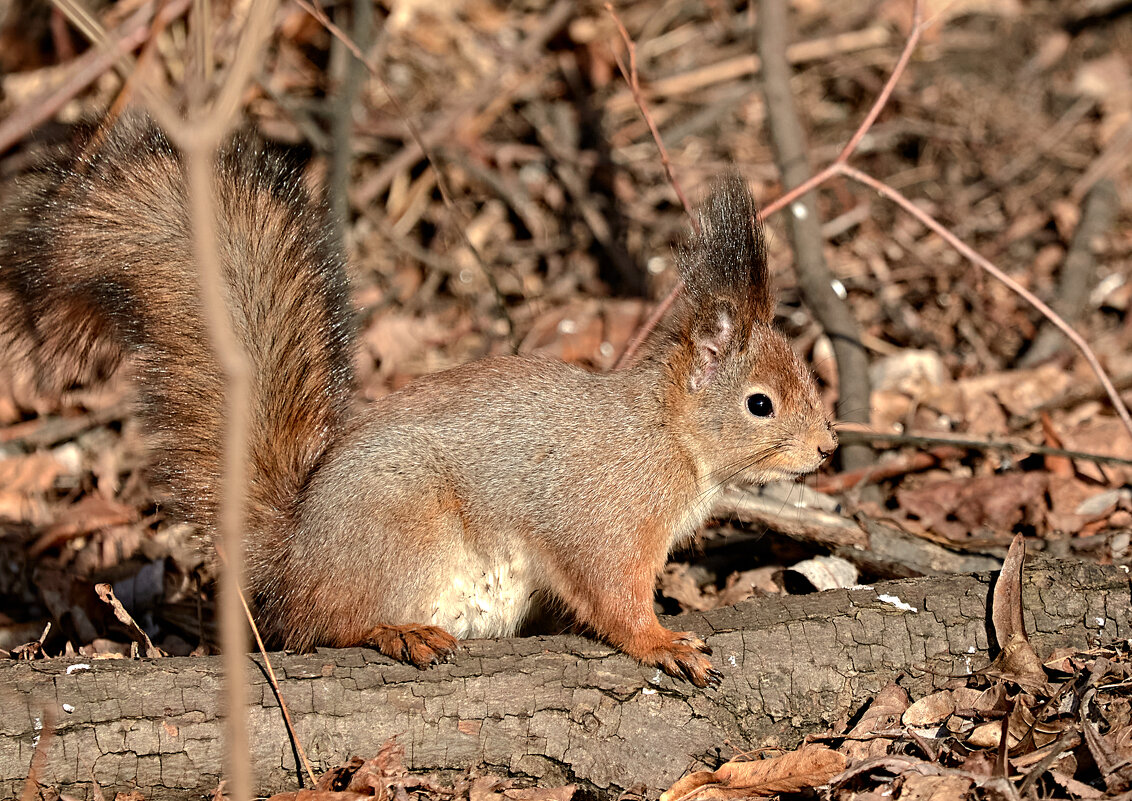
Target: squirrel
(441, 510)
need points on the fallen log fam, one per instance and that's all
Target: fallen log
(555, 708)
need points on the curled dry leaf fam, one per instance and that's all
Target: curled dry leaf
(1017, 661)
(883, 714)
(106, 593)
(809, 766)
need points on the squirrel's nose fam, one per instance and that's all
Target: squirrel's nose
(826, 448)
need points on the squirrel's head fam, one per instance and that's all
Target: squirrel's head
(746, 401)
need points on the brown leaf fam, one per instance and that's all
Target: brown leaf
(931, 710)
(92, 513)
(809, 766)
(1114, 766)
(881, 715)
(106, 593)
(917, 787)
(680, 583)
(748, 584)
(957, 508)
(1017, 661)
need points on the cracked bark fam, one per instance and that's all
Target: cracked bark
(556, 708)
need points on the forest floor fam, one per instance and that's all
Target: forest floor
(1011, 126)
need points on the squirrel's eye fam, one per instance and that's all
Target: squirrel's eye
(760, 405)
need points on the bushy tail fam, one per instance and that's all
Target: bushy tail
(97, 269)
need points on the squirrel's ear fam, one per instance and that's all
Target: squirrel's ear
(725, 262)
(712, 338)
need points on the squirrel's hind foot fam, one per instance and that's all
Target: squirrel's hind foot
(417, 645)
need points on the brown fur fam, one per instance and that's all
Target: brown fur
(446, 505)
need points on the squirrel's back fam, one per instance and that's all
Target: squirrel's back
(97, 269)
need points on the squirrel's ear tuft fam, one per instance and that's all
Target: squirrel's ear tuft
(724, 265)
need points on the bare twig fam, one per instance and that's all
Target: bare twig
(279, 695)
(198, 140)
(633, 79)
(733, 69)
(840, 167)
(1078, 268)
(441, 181)
(814, 277)
(350, 71)
(86, 69)
(974, 443)
(521, 68)
(806, 186)
(971, 255)
(915, 462)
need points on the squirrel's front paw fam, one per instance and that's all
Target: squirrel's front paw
(684, 657)
(418, 645)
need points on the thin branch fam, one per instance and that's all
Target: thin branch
(840, 167)
(815, 281)
(918, 26)
(971, 255)
(86, 69)
(198, 141)
(633, 79)
(279, 695)
(974, 443)
(885, 93)
(441, 182)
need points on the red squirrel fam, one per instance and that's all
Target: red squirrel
(439, 511)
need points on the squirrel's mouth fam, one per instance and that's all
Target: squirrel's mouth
(766, 475)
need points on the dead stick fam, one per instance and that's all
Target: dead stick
(85, 70)
(633, 79)
(814, 277)
(986, 266)
(441, 181)
(824, 175)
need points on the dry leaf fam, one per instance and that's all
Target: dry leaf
(931, 710)
(92, 513)
(34, 472)
(1017, 661)
(882, 714)
(917, 787)
(809, 766)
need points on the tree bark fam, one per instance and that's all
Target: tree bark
(554, 708)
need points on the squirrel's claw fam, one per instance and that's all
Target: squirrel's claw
(420, 646)
(684, 657)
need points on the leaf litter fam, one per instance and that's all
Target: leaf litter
(1022, 727)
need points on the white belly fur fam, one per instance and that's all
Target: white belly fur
(485, 598)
